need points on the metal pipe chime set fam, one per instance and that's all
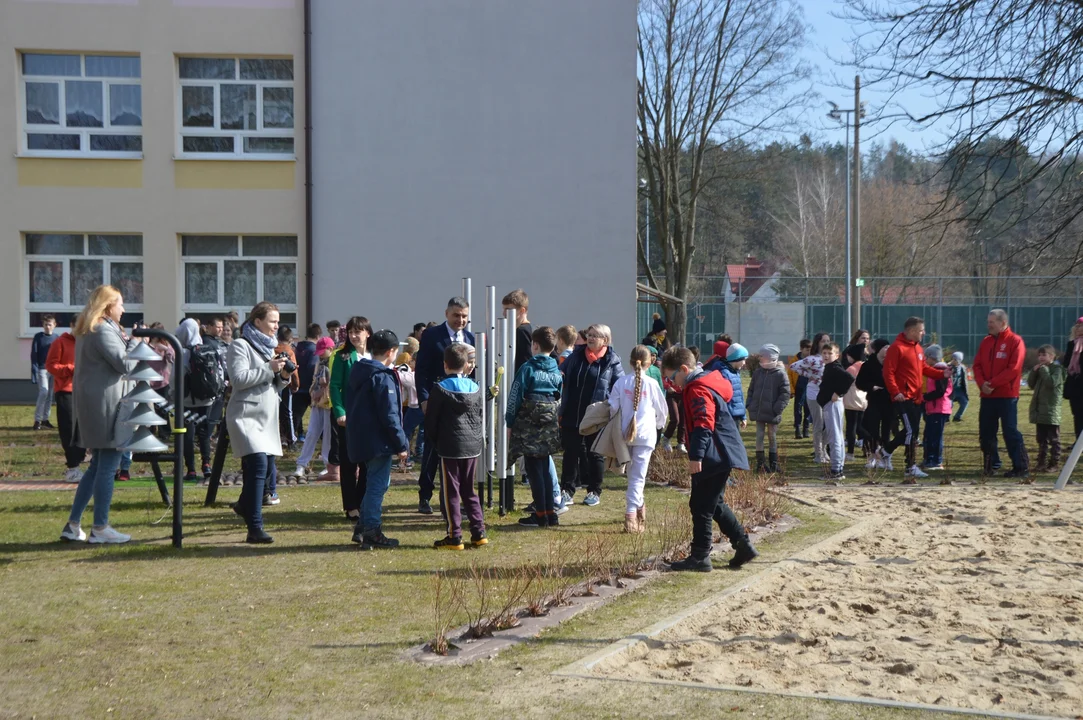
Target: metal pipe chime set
(495, 362)
(138, 412)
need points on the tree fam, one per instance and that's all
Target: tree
(711, 73)
(1006, 72)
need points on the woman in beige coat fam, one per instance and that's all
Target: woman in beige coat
(257, 376)
(101, 349)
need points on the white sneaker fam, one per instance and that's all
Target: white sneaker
(885, 460)
(666, 447)
(107, 535)
(873, 463)
(300, 471)
(681, 448)
(850, 457)
(916, 472)
(73, 475)
(72, 533)
(323, 472)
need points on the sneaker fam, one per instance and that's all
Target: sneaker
(271, 499)
(72, 533)
(873, 463)
(45, 424)
(73, 475)
(530, 509)
(37, 425)
(479, 540)
(1017, 474)
(834, 476)
(107, 535)
(206, 471)
(932, 468)
(537, 521)
(409, 465)
(692, 563)
(850, 457)
(553, 520)
(666, 447)
(592, 500)
(566, 499)
(190, 476)
(123, 476)
(681, 448)
(300, 471)
(378, 541)
(915, 472)
(258, 537)
(885, 461)
(561, 508)
(424, 508)
(449, 543)
(301, 439)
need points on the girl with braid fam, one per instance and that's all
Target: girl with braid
(643, 411)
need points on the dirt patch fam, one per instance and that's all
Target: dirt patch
(960, 597)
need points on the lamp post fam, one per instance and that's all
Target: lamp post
(853, 190)
(647, 246)
(836, 115)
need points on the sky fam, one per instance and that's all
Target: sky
(829, 41)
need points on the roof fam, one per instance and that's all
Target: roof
(747, 279)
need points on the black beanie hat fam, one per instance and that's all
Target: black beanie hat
(659, 324)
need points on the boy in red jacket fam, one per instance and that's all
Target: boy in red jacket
(998, 369)
(714, 449)
(60, 363)
(905, 371)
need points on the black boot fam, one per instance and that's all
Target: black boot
(257, 536)
(761, 464)
(797, 433)
(772, 463)
(693, 563)
(744, 553)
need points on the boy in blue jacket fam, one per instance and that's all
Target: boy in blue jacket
(731, 367)
(533, 404)
(374, 432)
(714, 449)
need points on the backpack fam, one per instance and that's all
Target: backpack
(204, 377)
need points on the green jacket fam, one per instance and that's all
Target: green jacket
(655, 373)
(341, 364)
(1047, 382)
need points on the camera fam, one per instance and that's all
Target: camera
(290, 366)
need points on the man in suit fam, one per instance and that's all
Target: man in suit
(430, 370)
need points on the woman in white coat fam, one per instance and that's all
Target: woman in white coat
(643, 411)
(257, 377)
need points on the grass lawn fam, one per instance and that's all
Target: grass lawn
(311, 626)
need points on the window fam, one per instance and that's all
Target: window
(81, 105)
(62, 270)
(227, 272)
(235, 107)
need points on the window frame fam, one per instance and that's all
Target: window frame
(238, 136)
(28, 307)
(221, 307)
(26, 129)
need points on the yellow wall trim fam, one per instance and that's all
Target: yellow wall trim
(234, 175)
(79, 172)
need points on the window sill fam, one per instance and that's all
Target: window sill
(80, 156)
(234, 158)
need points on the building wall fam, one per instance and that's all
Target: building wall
(157, 196)
(478, 138)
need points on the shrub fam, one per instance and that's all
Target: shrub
(669, 468)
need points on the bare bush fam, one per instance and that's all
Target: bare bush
(446, 598)
(479, 615)
(754, 500)
(669, 468)
(519, 583)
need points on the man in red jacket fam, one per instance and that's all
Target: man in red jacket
(998, 370)
(905, 371)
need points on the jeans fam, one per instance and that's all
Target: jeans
(556, 480)
(125, 462)
(580, 464)
(963, 401)
(96, 481)
(537, 471)
(319, 425)
(254, 470)
(73, 454)
(414, 419)
(45, 396)
(1003, 412)
(378, 473)
(934, 438)
(801, 416)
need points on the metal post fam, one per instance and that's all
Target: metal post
(479, 372)
(1069, 466)
(509, 374)
(490, 324)
(467, 291)
(647, 250)
(849, 274)
(855, 230)
(501, 427)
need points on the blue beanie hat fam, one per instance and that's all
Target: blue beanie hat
(736, 352)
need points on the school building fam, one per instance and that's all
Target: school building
(184, 151)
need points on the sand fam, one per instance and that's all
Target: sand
(962, 597)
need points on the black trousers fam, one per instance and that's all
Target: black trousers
(430, 466)
(200, 431)
(73, 454)
(1076, 403)
(352, 477)
(333, 453)
(879, 423)
(706, 505)
(301, 402)
(855, 428)
(581, 466)
(910, 414)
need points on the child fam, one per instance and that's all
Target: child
(855, 401)
(833, 386)
(374, 432)
(798, 388)
(959, 393)
(319, 421)
(642, 406)
(519, 301)
(453, 425)
(413, 418)
(533, 404)
(879, 418)
(714, 449)
(1047, 380)
(654, 371)
(61, 365)
(566, 337)
(811, 367)
(39, 352)
(333, 327)
(767, 398)
(736, 357)
(937, 409)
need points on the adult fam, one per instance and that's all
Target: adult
(1073, 385)
(217, 334)
(858, 349)
(879, 417)
(657, 337)
(590, 373)
(199, 406)
(429, 370)
(101, 349)
(998, 372)
(307, 360)
(905, 371)
(351, 473)
(257, 377)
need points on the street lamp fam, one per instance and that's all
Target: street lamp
(836, 114)
(647, 247)
(853, 249)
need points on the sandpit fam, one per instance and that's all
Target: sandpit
(957, 597)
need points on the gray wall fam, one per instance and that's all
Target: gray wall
(486, 138)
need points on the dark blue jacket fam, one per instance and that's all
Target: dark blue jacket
(586, 383)
(713, 438)
(307, 360)
(39, 351)
(373, 412)
(538, 376)
(429, 369)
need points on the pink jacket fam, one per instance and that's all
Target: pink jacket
(941, 405)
